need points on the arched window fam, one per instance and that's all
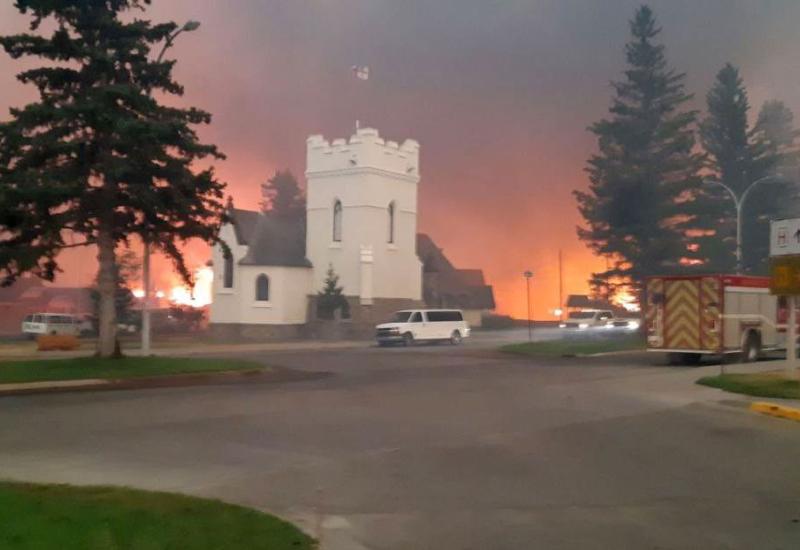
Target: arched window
(227, 270)
(337, 221)
(262, 288)
(390, 212)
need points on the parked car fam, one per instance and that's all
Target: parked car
(599, 318)
(587, 319)
(51, 323)
(417, 325)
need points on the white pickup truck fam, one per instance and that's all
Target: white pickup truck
(597, 319)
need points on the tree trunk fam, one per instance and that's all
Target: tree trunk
(106, 286)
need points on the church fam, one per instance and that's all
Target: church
(361, 222)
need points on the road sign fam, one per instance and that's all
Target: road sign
(784, 237)
(784, 272)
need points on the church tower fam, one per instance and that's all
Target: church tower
(362, 217)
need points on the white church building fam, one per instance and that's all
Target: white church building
(361, 220)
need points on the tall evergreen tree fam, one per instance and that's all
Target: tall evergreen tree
(97, 157)
(282, 196)
(777, 142)
(645, 167)
(738, 157)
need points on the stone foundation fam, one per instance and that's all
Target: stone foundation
(362, 321)
(242, 332)
(360, 325)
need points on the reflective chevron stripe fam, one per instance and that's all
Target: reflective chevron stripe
(712, 324)
(682, 315)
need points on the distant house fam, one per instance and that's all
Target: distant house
(30, 295)
(445, 286)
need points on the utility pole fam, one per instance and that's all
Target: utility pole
(560, 287)
(189, 26)
(528, 276)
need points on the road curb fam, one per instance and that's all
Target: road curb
(266, 374)
(773, 409)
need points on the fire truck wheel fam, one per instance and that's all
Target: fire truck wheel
(751, 351)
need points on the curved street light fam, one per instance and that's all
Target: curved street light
(169, 41)
(738, 201)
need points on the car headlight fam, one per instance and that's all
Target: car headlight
(583, 325)
(562, 325)
(608, 325)
(634, 325)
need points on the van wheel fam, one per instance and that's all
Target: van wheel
(408, 339)
(455, 338)
(751, 351)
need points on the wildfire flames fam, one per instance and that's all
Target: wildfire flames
(199, 296)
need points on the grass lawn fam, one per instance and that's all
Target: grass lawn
(575, 347)
(62, 517)
(761, 384)
(128, 367)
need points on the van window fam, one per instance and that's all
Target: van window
(37, 318)
(28, 319)
(401, 317)
(444, 316)
(416, 318)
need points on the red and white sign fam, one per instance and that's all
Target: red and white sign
(784, 237)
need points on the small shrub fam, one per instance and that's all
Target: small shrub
(60, 342)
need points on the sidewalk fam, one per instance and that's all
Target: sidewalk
(28, 352)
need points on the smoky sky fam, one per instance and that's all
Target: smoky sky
(498, 92)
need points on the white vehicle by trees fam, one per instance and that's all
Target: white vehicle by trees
(415, 325)
(51, 323)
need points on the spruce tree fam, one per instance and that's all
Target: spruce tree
(98, 159)
(282, 196)
(778, 148)
(645, 168)
(331, 298)
(738, 156)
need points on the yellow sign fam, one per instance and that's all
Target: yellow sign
(784, 274)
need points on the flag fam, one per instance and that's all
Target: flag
(361, 73)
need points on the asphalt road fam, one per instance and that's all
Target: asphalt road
(436, 447)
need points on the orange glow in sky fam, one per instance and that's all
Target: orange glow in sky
(499, 97)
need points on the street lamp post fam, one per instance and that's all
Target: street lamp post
(168, 42)
(739, 202)
(528, 276)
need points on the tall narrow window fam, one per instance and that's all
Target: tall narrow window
(262, 288)
(337, 221)
(390, 212)
(227, 270)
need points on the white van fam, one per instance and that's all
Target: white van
(51, 323)
(415, 325)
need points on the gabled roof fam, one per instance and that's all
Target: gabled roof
(271, 240)
(432, 257)
(446, 286)
(22, 285)
(244, 224)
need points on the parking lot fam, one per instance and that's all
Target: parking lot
(440, 446)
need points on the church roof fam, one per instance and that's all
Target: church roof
(244, 224)
(446, 286)
(270, 240)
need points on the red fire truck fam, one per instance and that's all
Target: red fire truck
(690, 316)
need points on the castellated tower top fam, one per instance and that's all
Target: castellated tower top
(364, 150)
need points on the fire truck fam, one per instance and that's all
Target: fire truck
(691, 316)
